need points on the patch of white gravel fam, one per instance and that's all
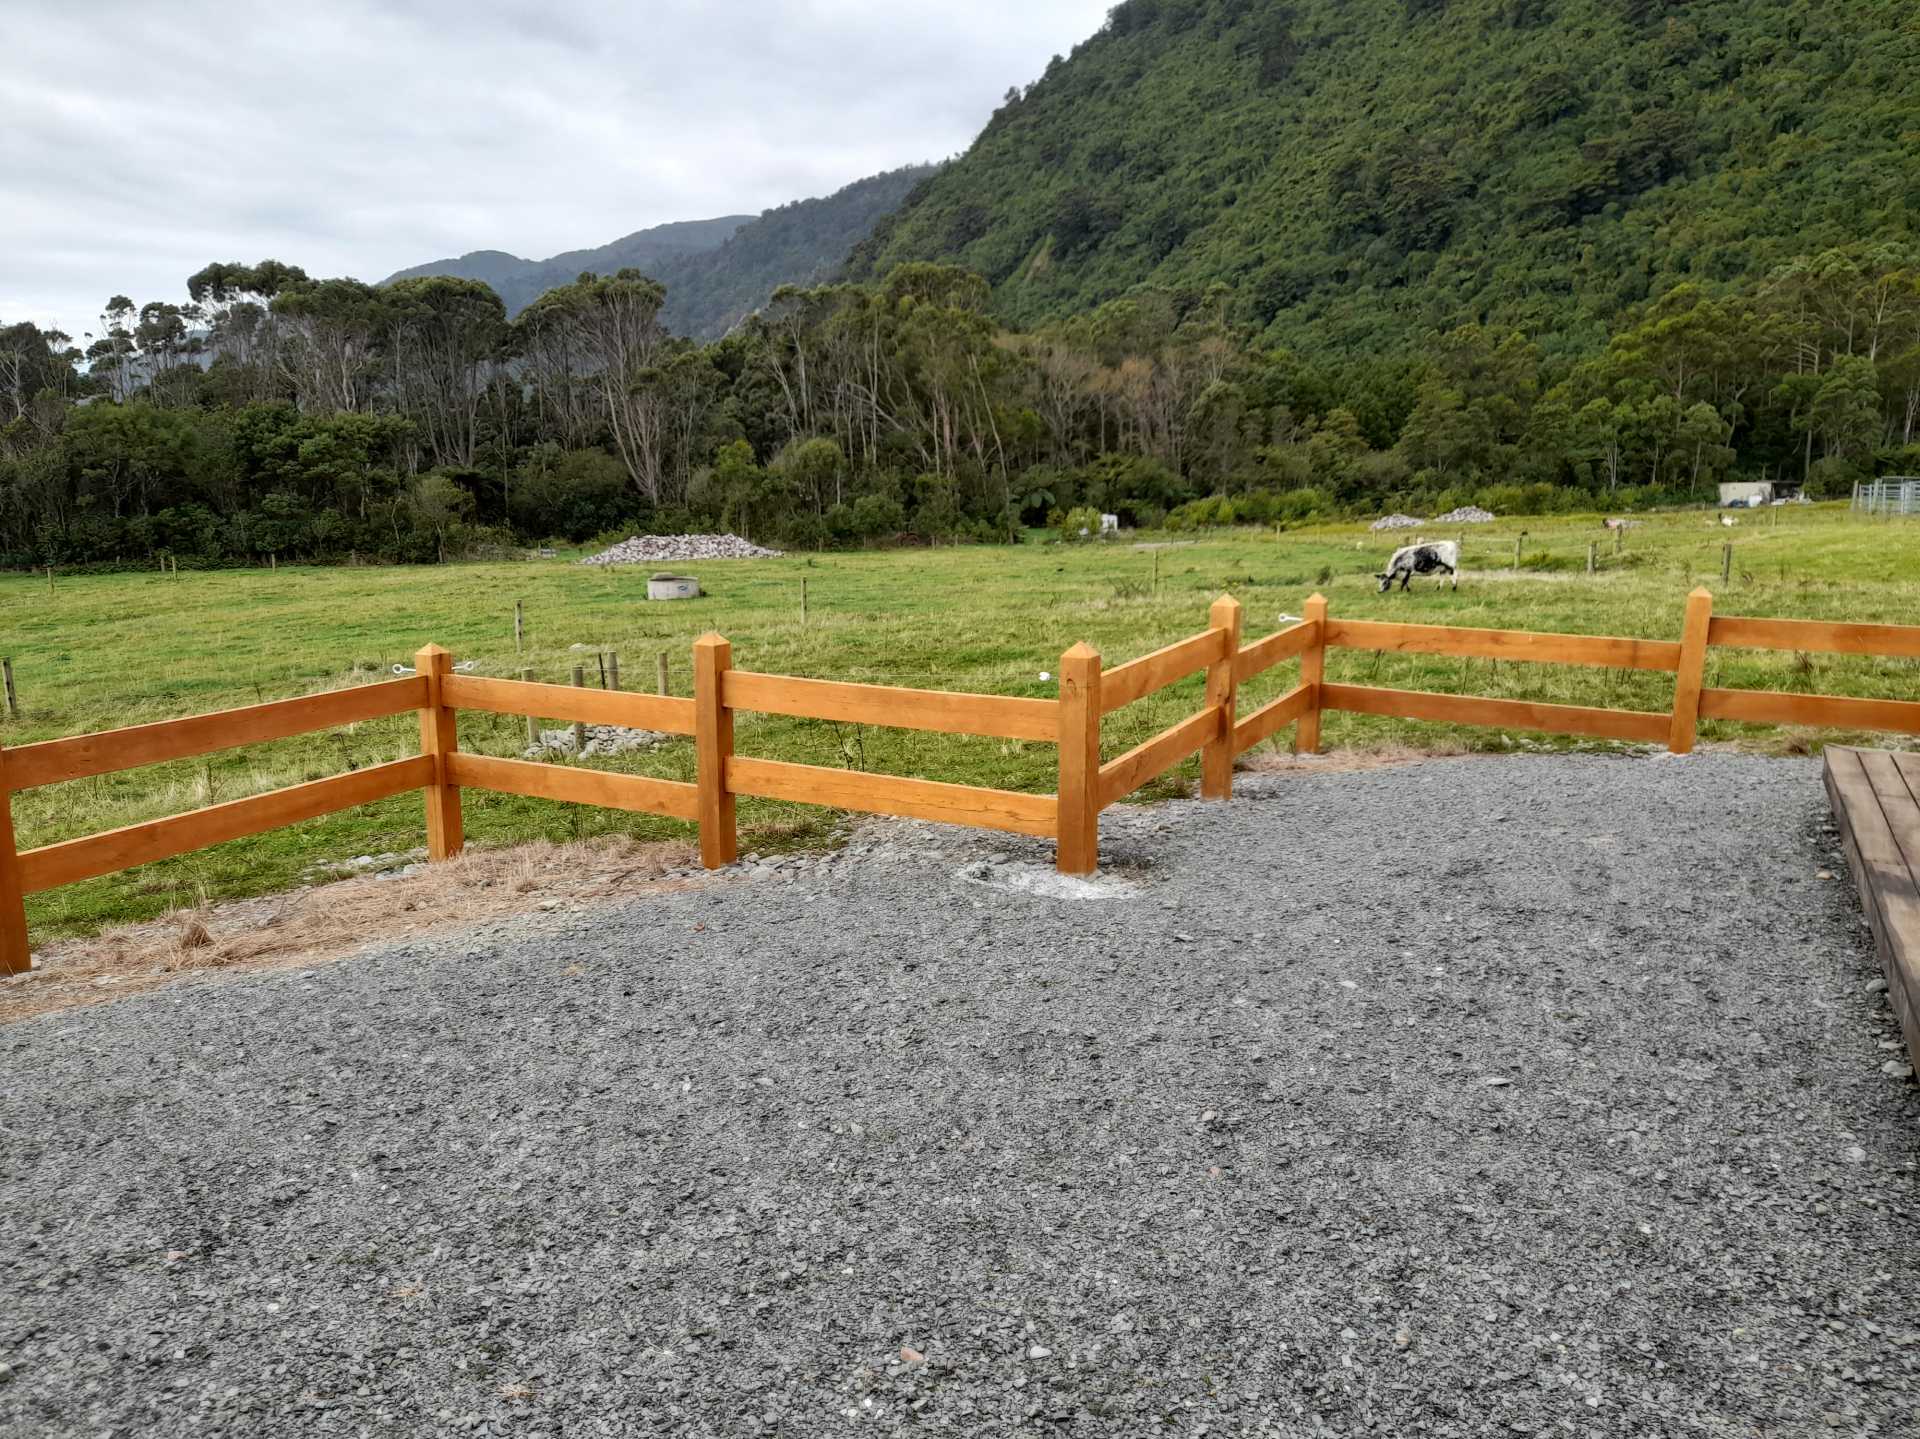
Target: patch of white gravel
(1025, 877)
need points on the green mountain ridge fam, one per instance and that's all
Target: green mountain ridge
(716, 272)
(1357, 174)
(519, 282)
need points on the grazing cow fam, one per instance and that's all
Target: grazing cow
(1421, 559)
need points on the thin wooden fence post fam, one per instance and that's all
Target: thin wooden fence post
(579, 729)
(662, 667)
(1593, 556)
(1726, 562)
(439, 737)
(803, 602)
(1216, 762)
(1313, 670)
(1692, 671)
(1077, 846)
(14, 950)
(613, 669)
(712, 749)
(519, 627)
(13, 697)
(533, 724)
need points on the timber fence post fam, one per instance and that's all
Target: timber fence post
(13, 910)
(1077, 844)
(713, 748)
(1688, 679)
(1313, 669)
(1216, 763)
(439, 737)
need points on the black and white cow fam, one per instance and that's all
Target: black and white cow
(1421, 559)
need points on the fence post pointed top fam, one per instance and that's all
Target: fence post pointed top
(1082, 650)
(1700, 591)
(428, 650)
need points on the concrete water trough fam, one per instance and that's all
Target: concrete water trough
(672, 587)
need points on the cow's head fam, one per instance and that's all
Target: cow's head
(1386, 581)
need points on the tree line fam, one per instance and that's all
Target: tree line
(278, 414)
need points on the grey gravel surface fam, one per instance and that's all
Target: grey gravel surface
(1499, 1096)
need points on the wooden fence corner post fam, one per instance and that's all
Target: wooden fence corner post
(1216, 763)
(14, 949)
(439, 737)
(1077, 844)
(713, 748)
(1691, 674)
(1313, 670)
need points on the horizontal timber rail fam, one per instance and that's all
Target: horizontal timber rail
(945, 711)
(1087, 783)
(56, 760)
(606, 788)
(1147, 762)
(1894, 641)
(1497, 713)
(664, 713)
(1505, 645)
(136, 844)
(889, 794)
(1139, 678)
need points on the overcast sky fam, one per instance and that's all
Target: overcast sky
(140, 141)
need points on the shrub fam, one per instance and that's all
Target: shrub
(1080, 524)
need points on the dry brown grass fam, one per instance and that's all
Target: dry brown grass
(1352, 760)
(329, 921)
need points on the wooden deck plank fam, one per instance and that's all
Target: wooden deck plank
(1879, 818)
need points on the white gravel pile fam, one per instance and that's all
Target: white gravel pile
(1465, 515)
(1396, 522)
(652, 549)
(602, 739)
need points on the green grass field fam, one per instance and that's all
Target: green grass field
(99, 652)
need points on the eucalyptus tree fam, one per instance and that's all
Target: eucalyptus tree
(612, 326)
(445, 340)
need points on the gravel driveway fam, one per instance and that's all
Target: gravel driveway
(1487, 1096)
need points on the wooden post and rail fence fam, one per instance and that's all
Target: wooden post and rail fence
(1070, 816)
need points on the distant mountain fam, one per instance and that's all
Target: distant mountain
(802, 243)
(716, 271)
(1356, 173)
(520, 282)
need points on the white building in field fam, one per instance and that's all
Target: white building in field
(1744, 493)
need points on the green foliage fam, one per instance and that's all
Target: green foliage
(1358, 173)
(1078, 524)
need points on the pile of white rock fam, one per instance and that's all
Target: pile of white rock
(1396, 522)
(651, 549)
(1465, 515)
(602, 739)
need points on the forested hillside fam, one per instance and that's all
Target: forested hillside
(802, 243)
(715, 271)
(1359, 174)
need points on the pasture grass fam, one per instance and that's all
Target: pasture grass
(103, 651)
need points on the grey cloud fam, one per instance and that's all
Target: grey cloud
(351, 137)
